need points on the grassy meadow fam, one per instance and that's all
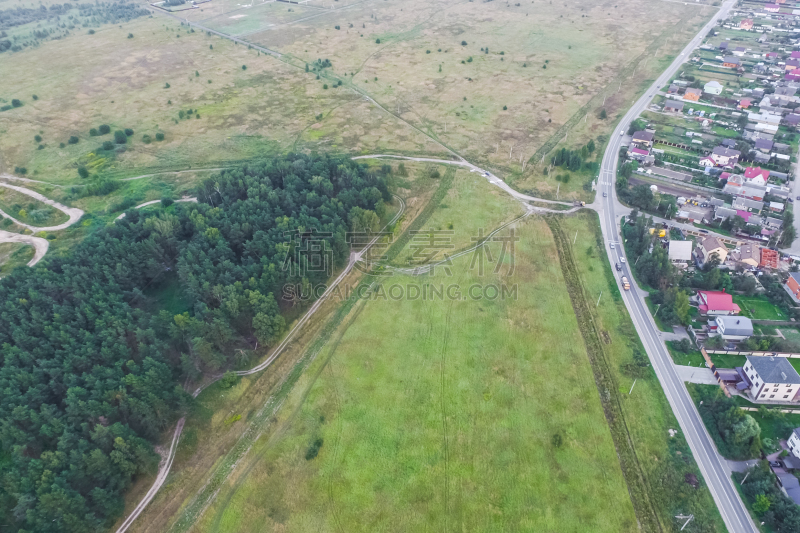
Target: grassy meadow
(441, 414)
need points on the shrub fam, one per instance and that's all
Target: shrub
(37, 138)
(146, 139)
(83, 172)
(104, 129)
(377, 41)
(244, 67)
(128, 132)
(313, 449)
(325, 86)
(228, 380)
(120, 137)
(108, 145)
(73, 140)
(166, 85)
(16, 103)
(463, 43)
(427, 51)
(34, 97)
(61, 145)
(505, 108)
(166, 201)
(93, 132)
(603, 114)
(130, 36)
(91, 32)
(159, 136)
(20, 170)
(337, 27)
(40, 147)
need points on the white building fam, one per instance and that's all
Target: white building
(713, 87)
(771, 379)
(794, 443)
(680, 251)
(734, 328)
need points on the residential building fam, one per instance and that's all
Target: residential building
(772, 222)
(746, 204)
(731, 62)
(749, 255)
(715, 303)
(792, 119)
(744, 103)
(692, 94)
(790, 484)
(713, 87)
(643, 139)
(791, 64)
(769, 258)
(739, 51)
(772, 8)
(771, 378)
(724, 212)
(764, 118)
(777, 207)
(758, 157)
(673, 89)
(792, 286)
(673, 106)
(724, 156)
(792, 75)
(763, 145)
(643, 156)
(793, 443)
(723, 45)
(731, 328)
(756, 175)
(680, 251)
(746, 24)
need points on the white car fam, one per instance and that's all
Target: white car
(612, 245)
(621, 259)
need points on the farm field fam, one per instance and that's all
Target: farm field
(432, 414)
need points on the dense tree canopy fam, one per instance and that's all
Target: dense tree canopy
(90, 359)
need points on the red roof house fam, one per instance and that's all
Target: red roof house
(793, 75)
(746, 24)
(639, 151)
(772, 8)
(756, 175)
(716, 303)
(744, 103)
(795, 55)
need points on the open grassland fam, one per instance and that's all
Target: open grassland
(441, 414)
(666, 462)
(30, 210)
(596, 55)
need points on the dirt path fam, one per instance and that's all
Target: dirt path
(73, 213)
(151, 202)
(39, 244)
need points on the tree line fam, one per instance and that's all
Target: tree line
(91, 361)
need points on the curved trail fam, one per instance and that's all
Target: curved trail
(39, 244)
(73, 213)
(151, 202)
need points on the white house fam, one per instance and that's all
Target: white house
(794, 443)
(734, 328)
(771, 379)
(680, 251)
(713, 87)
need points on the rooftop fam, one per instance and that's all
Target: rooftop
(680, 250)
(735, 325)
(717, 301)
(774, 369)
(643, 136)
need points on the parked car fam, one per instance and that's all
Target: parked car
(775, 464)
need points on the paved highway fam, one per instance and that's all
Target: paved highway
(713, 467)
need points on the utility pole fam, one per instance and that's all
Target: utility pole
(557, 189)
(576, 237)
(632, 386)
(598, 299)
(745, 477)
(657, 308)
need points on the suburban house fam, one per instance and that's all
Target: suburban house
(680, 252)
(791, 64)
(763, 145)
(643, 139)
(731, 62)
(772, 8)
(756, 175)
(692, 94)
(792, 120)
(713, 87)
(777, 207)
(771, 378)
(749, 255)
(792, 75)
(715, 303)
(723, 45)
(792, 286)
(724, 212)
(674, 107)
(746, 24)
(744, 103)
(746, 204)
(724, 156)
(731, 328)
(641, 155)
(790, 484)
(769, 258)
(673, 89)
(794, 443)
(739, 51)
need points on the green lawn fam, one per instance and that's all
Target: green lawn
(440, 415)
(759, 308)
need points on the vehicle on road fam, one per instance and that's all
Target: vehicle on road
(622, 260)
(605, 195)
(621, 133)
(618, 267)
(612, 245)
(798, 197)
(703, 231)
(625, 284)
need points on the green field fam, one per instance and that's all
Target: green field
(759, 308)
(13, 255)
(442, 415)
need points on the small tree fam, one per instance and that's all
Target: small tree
(104, 129)
(130, 36)
(83, 172)
(120, 137)
(73, 140)
(244, 67)
(603, 114)
(108, 145)
(37, 138)
(463, 43)
(377, 41)
(128, 132)
(146, 139)
(229, 380)
(35, 97)
(159, 136)
(16, 103)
